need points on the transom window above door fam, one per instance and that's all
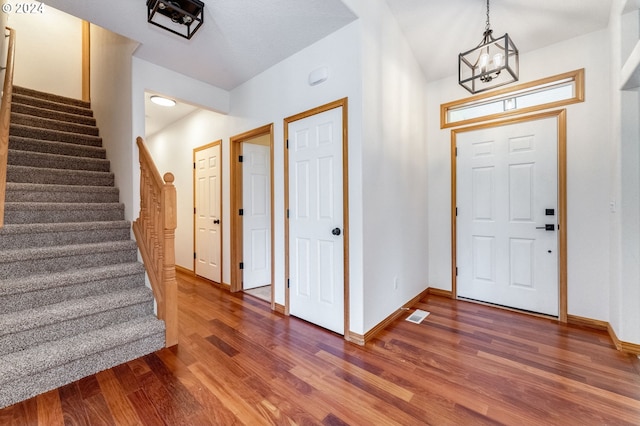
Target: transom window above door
(551, 92)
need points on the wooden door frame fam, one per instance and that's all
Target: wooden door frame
(345, 200)
(195, 193)
(561, 116)
(236, 204)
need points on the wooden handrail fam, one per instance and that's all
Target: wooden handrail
(155, 234)
(5, 119)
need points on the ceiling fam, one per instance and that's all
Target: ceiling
(438, 30)
(241, 38)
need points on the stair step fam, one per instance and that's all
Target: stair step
(40, 290)
(49, 124)
(51, 147)
(24, 329)
(50, 97)
(18, 98)
(56, 161)
(39, 193)
(52, 114)
(40, 260)
(23, 236)
(39, 369)
(23, 213)
(23, 174)
(53, 135)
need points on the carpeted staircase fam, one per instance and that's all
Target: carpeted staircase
(73, 299)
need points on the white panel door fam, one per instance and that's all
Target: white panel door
(256, 218)
(507, 189)
(316, 246)
(207, 202)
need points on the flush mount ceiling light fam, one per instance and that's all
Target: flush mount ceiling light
(159, 100)
(493, 63)
(182, 17)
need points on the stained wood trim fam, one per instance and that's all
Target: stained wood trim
(196, 150)
(86, 61)
(632, 348)
(5, 118)
(577, 75)
(439, 292)
(184, 270)
(348, 335)
(588, 322)
(562, 198)
(390, 319)
(236, 204)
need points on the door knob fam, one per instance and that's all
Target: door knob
(216, 221)
(547, 227)
(336, 231)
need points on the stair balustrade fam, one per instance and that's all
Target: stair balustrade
(5, 117)
(155, 234)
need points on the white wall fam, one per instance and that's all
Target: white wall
(625, 187)
(394, 176)
(588, 172)
(149, 77)
(395, 183)
(172, 150)
(111, 104)
(283, 91)
(48, 51)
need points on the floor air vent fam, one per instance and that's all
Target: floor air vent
(417, 316)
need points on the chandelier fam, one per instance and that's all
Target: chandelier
(181, 17)
(493, 63)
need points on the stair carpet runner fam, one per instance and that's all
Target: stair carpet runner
(73, 299)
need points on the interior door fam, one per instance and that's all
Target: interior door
(507, 215)
(316, 218)
(256, 218)
(207, 214)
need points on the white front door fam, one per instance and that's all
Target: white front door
(316, 245)
(207, 178)
(507, 197)
(256, 218)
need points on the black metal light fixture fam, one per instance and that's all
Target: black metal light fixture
(493, 63)
(181, 17)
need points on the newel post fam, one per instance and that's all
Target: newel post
(170, 223)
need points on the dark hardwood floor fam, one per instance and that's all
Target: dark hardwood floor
(466, 364)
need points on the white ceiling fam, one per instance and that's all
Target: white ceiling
(438, 30)
(241, 38)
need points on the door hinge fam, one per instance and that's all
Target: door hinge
(241, 265)
(288, 284)
(456, 151)
(456, 211)
(194, 165)
(241, 212)
(194, 255)
(194, 210)
(456, 271)
(240, 159)
(287, 213)
(287, 143)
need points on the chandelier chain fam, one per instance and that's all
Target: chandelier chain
(488, 25)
